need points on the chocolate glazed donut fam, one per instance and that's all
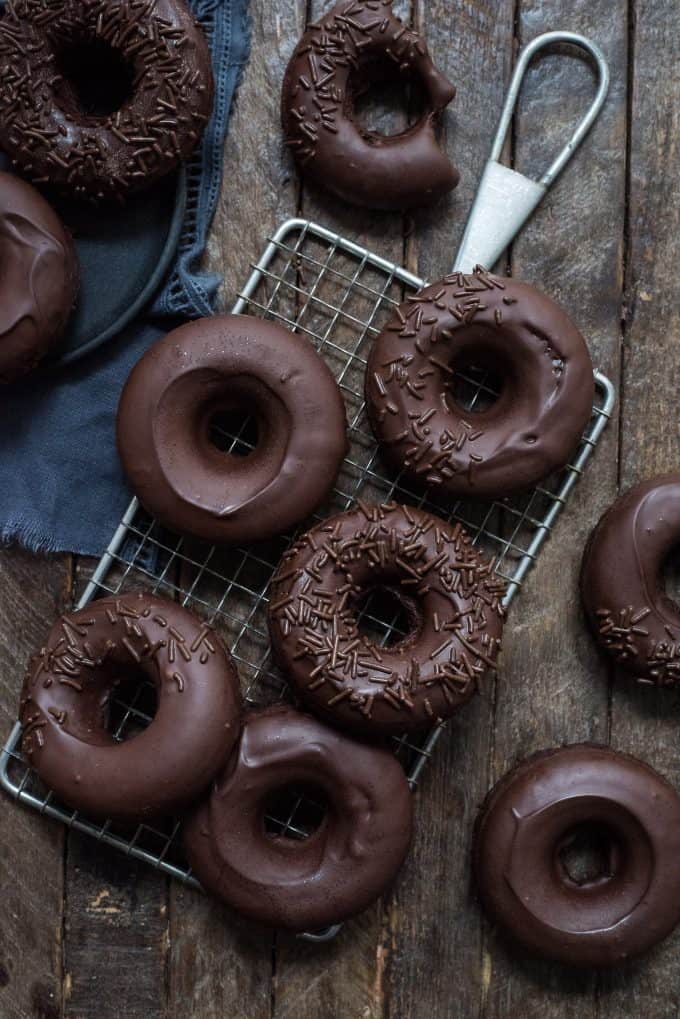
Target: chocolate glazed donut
(632, 617)
(337, 59)
(231, 363)
(541, 808)
(39, 277)
(68, 688)
(447, 589)
(147, 58)
(343, 866)
(490, 322)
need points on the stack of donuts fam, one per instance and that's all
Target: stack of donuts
(203, 756)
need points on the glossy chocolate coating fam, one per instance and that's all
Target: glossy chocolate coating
(528, 819)
(334, 61)
(38, 277)
(342, 867)
(449, 592)
(628, 609)
(212, 365)
(46, 130)
(495, 323)
(65, 707)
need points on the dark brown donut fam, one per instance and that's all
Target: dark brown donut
(530, 818)
(154, 63)
(631, 615)
(39, 277)
(218, 364)
(65, 707)
(501, 324)
(347, 863)
(336, 59)
(449, 593)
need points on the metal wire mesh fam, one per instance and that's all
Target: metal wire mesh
(339, 295)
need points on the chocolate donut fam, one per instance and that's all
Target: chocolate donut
(343, 866)
(499, 324)
(38, 279)
(68, 688)
(101, 98)
(446, 588)
(631, 615)
(215, 365)
(336, 60)
(544, 806)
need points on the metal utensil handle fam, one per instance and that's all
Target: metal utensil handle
(506, 199)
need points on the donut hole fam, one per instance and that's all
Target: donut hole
(589, 854)
(384, 618)
(478, 377)
(131, 706)
(295, 811)
(384, 101)
(97, 80)
(234, 430)
(670, 576)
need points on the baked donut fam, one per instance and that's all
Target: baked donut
(100, 98)
(302, 884)
(546, 806)
(449, 594)
(39, 277)
(632, 617)
(216, 365)
(336, 60)
(492, 323)
(68, 688)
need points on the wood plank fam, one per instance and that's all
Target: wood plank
(644, 721)
(115, 935)
(553, 688)
(434, 946)
(345, 978)
(31, 848)
(219, 965)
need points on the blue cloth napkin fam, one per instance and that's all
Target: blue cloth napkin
(61, 487)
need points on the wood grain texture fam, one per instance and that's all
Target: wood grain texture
(648, 725)
(435, 947)
(31, 883)
(553, 689)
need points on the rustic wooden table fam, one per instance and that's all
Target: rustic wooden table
(87, 933)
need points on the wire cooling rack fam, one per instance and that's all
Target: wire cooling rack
(339, 295)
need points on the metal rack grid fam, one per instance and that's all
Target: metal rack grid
(339, 295)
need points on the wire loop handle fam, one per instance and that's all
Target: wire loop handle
(506, 198)
(526, 56)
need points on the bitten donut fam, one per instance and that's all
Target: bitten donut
(494, 323)
(447, 589)
(100, 98)
(521, 845)
(336, 60)
(68, 688)
(232, 363)
(632, 617)
(39, 277)
(343, 866)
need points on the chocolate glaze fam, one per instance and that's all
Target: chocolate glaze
(491, 322)
(38, 277)
(43, 125)
(336, 60)
(449, 593)
(631, 615)
(216, 364)
(347, 863)
(65, 707)
(528, 818)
